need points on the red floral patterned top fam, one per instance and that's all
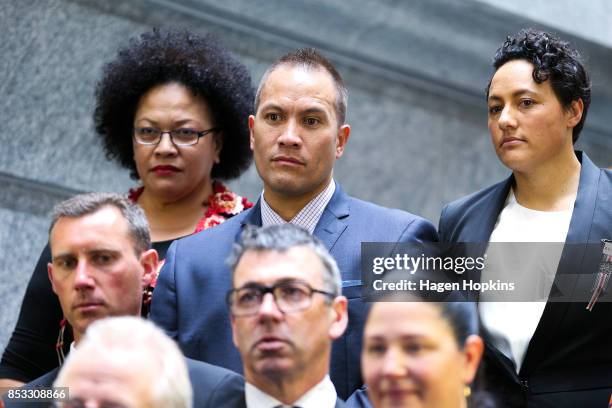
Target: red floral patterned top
(222, 205)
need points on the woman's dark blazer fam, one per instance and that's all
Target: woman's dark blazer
(569, 358)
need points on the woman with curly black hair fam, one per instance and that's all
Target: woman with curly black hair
(542, 351)
(172, 108)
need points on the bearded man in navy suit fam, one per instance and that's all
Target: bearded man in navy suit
(297, 133)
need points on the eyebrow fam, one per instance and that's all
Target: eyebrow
(516, 93)
(176, 123)
(310, 110)
(61, 257)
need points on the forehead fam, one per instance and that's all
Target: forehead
(103, 227)
(296, 83)
(267, 267)
(516, 76)
(171, 96)
(108, 380)
(397, 319)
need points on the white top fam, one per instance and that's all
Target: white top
(512, 324)
(307, 217)
(322, 395)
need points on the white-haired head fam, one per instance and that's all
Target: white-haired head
(133, 359)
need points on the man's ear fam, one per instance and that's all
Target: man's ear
(149, 262)
(251, 126)
(472, 350)
(575, 113)
(342, 138)
(50, 275)
(339, 312)
(234, 335)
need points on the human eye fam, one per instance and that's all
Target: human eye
(102, 258)
(184, 135)
(272, 117)
(526, 102)
(146, 134)
(292, 292)
(376, 349)
(494, 109)
(65, 262)
(248, 296)
(413, 347)
(311, 121)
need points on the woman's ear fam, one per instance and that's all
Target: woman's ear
(472, 350)
(575, 113)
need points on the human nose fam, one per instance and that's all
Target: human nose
(165, 145)
(394, 363)
(83, 277)
(269, 308)
(290, 135)
(507, 119)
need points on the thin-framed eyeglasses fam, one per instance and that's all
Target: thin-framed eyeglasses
(290, 296)
(150, 136)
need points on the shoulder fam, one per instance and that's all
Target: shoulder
(375, 217)
(217, 235)
(475, 199)
(215, 386)
(44, 381)
(359, 207)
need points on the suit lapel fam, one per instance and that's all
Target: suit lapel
(252, 217)
(488, 214)
(479, 233)
(331, 225)
(571, 260)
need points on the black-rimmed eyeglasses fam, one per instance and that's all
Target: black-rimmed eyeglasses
(290, 296)
(181, 137)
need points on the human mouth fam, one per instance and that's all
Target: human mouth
(511, 141)
(398, 393)
(270, 343)
(288, 160)
(164, 170)
(88, 306)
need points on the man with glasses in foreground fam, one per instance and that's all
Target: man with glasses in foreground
(286, 309)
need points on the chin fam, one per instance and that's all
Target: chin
(274, 367)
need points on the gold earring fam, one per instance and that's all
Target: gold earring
(467, 391)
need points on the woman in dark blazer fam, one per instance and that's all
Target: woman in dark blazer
(555, 353)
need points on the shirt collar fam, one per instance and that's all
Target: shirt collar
(307, 217)
(322, 395)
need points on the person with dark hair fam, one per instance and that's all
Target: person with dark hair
(297, 133)
(542, 352)
(172, 108)
(421, 354)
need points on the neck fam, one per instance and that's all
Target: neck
(170, 219)
(286, 389)
(287, 206)
(551, 186)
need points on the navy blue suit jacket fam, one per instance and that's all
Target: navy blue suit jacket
(569, 358)
(189, 299)
(213, 387)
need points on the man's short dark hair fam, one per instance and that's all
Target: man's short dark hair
(86, 204)
(310, 58)
(554, 60)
